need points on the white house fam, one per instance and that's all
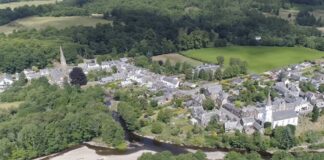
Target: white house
(171, 82)
(5, 82)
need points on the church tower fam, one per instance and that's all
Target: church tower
(62, 58)
(268, 110)
(63, 65)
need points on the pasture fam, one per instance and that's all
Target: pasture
(56, 22)
(174, 58)
(13, 5)
(9, 105)
(260, 59)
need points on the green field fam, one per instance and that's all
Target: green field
(260, 59)
(29, 3)
(174, 58)
(57, 22)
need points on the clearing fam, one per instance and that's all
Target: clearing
(174, 58)
(56, 22)
(9, 105)
(306, 125)
(13, 5)
(260, 59)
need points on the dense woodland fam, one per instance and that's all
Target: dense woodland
(140, 27)
(51, 119)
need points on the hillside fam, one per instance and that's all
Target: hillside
(56, 22)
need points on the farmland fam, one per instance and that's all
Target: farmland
(56, 22)
(260, 59)
(174, 58)
(29, 3)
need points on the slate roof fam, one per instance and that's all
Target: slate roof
(281, 115)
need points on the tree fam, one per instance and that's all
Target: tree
(208, 104)
(321, 88)
(78, 77)
(164, 115)
(189, 74)
(157, 128)
(315, 114)
(282, 155)
(22, 80)
(203, 75)
(218, 74)
(285, 137)
(220, 60)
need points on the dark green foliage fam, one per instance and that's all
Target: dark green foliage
(220, 60)
(321, 88)
(252, 93)
(315, 114)
(208, 104)
(215, 125)
(307, 86)
(169, 156)
(78, 77)
(282, 155)
(129, 114)
(306, 19)
(165, 115)
(285, 137)
(238, 156)
(157, 128)
(52, 119)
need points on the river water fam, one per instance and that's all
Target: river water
(137, 145)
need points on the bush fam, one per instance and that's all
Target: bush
(157, 128)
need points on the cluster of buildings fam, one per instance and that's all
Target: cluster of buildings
(279, 111)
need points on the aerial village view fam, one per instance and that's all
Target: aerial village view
(151, 80)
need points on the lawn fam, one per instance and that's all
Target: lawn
(57, 22)
(9, 105)
(260, 59)
(174, 58)
(29, 3)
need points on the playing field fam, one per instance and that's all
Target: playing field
(57, 22)
(29, 3)
(174, 58)
(260, 59)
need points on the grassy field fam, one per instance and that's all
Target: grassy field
(306, 125)
(260, 59)
(57, 22)
(174, 58)
(9, 105)
(29, 3)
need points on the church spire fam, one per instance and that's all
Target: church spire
(62, 58)
(269, 102)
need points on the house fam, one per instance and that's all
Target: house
(206, 67)
(5, 82)
(171, 82)
(231, 126)
(213, 90)
(93, 67)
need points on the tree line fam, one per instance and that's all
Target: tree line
(51, 119)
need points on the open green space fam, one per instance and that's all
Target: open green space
(9, 105)
(260, 59)
(56, 22)
(174, 58)
(28, 3)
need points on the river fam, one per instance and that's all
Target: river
(137, 146)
